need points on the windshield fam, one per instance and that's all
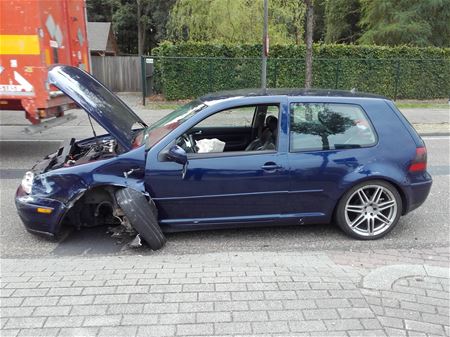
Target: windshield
(161, 128)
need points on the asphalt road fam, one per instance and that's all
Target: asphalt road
(429, 226)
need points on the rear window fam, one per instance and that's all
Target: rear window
(329, 126)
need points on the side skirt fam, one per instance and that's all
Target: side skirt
(182, 225)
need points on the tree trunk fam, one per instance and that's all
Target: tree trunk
(139, 28)
(309, 41)
(265, 47)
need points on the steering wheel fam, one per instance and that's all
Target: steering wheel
(187, 142)
(193, 142)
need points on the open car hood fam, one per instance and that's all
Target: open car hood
(99, 102)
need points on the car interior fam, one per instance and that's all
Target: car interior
(249, 128)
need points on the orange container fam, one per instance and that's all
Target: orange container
(35, 34)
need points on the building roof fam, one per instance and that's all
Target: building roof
(98, 34)
(286, 92)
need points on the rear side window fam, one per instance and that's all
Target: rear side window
(329, 126)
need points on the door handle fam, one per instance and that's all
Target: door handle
(271, 166)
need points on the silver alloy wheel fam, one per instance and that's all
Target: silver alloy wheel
(371, 210)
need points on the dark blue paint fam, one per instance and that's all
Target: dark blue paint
(60, 188)
(239, 189)
(177, 155)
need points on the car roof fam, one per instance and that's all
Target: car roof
(285, 92)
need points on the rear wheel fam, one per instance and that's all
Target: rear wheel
(369, 210)
(142, 215)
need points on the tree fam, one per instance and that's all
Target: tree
(413, 22)
(141, 23)
(309, 41)
(99, 10)
(125, 29)
(319, 20)
(135, 32)
(235, 21)
(341, 21)
(152, 19)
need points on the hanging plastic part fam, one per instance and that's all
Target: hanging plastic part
(136, 243)
(184, 171)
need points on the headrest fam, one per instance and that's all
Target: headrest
(272, 123)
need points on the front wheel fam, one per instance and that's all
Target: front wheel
(370, 210)
(142, 215)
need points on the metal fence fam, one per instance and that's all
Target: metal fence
(119, 73)
(185, 77)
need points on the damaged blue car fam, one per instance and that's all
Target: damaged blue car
(230, 159)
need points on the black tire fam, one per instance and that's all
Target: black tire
(143, 216)
(342, 217)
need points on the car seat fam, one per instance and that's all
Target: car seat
(268, 137)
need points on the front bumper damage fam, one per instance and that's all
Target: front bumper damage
(38, 214)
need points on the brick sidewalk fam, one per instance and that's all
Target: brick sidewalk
(333, 293)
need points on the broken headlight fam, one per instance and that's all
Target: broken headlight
(27, 182)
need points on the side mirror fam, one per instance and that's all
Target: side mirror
(177, 155)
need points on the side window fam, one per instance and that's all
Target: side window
(239, 129)
(328, 126)
(240, 116)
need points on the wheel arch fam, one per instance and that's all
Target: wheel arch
(389, 180)
(95, 190)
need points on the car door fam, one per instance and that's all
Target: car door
(327, 143)
(219, 188)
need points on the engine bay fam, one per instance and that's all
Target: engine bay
(81, 154)
(72, 153)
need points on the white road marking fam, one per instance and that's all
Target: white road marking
(31, 140)
(436, 137)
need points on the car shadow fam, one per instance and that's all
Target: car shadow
(97, 240)
(89, 241)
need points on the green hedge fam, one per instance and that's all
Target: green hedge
(192, 69)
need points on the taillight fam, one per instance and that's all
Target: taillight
(420, 161)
